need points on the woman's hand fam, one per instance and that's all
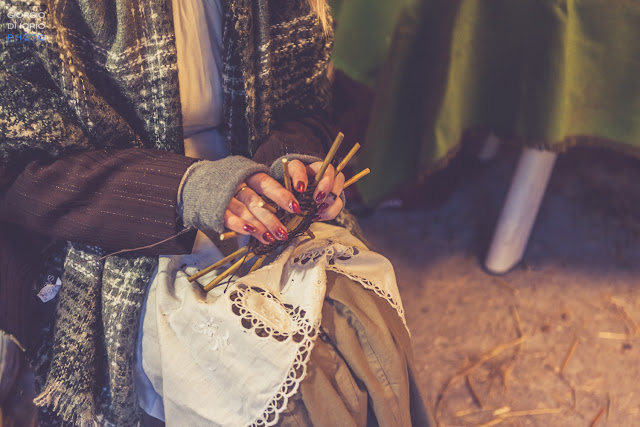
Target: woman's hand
(326, 193)
(245, 214)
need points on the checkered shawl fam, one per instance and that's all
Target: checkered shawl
(106, 76)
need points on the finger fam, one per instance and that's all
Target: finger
(326, 183)
(234, 223)
(273, 227)
(248, 223)
(298, 173)
(331, 212)
(338, 183)
(264, 185)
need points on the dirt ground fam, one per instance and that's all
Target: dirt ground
(556, 341)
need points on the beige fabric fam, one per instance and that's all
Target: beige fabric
(361, 371)
(198, 28)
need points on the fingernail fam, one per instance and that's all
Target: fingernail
(268, 237)
(295, 207)
(322, 207)
(320, 197)
(300, 187)
(282, 234)
(250, 228)
(317, 218)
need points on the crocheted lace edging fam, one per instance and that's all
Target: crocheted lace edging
(304, 336)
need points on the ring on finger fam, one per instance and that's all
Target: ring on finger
(332, 197)
(248, 197)
(328, 201)
(239, 190)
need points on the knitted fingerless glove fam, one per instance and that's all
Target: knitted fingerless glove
(207, 188)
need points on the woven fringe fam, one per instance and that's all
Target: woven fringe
(78, 411)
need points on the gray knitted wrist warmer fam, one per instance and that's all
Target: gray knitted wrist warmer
(276, 168)
(208, 188)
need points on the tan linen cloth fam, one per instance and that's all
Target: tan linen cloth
(361, 371)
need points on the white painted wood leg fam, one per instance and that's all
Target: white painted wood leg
(520, 209)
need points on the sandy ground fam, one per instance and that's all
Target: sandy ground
(558, 337)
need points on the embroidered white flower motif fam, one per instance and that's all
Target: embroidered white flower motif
(210, 331)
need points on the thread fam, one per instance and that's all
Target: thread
(186, 230)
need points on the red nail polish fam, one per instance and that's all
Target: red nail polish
(281, 233)
(250, 228)
(320, 197)
(295, 207)
(300, 187)
(317, 218)
(268, 237)
(323, 207)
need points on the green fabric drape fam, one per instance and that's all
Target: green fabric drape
(547, 73)
(362, 42)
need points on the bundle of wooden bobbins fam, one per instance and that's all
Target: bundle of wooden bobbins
(296, 224)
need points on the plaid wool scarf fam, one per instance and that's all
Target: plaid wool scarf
(105, 76)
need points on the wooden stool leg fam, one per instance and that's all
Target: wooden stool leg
(520, 209)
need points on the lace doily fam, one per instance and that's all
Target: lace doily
(333, 256)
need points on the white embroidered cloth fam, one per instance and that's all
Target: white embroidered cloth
(235, 355)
